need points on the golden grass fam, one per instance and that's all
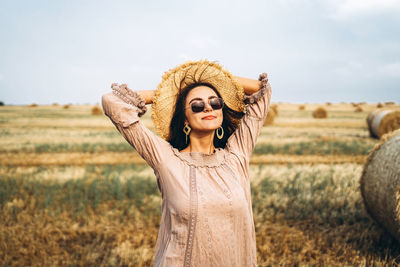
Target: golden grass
(304, 215)
(307, 208)
(114, 158)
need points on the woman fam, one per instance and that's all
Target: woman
(208, 121)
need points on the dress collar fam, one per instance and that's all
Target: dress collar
(200, 159)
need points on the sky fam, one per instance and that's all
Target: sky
(314, 51)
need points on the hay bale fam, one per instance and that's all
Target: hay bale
(358, 109)
(96, 110)
(328, 103)
(320, 113)
(33, 105)
(380, 183)
(270, 117)
(275, 108)
(389, 103)
(302, 107)
(55, 104)
(382, 121)
(379, 105)
(66, 106)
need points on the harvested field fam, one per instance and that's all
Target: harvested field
(73, 192)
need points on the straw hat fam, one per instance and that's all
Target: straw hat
(183, 75)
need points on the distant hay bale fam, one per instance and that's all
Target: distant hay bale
(379, 105)
(302, 107)
(382, 121)
(380, 183)
(96, 110)
(389, 103)
(354, 104)
(328, 103)
(55, 104)
(358, 109)
(320, 113)
(275, 108)
(66, 106)
(33, 105)
(270, 117)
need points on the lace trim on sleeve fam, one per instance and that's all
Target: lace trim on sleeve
(253, 98)
(130, 97)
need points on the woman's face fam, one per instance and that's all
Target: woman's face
(208, 119)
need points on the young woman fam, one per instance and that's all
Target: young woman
(208, 121)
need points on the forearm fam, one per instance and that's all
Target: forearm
(250, 86)
(147, 95)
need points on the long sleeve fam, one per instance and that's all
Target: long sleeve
(124, 107)
(243, 140)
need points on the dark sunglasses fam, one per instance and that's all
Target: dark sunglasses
(199, 105)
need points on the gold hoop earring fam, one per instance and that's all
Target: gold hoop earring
(186, 130)
(220, 135)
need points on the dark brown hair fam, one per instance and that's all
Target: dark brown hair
(177, 137)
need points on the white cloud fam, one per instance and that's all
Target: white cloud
(345, 9)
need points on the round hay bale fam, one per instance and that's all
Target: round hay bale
(320, 113)
(96, 110)
(33, 105)
(380, 183)
(358, 109)
(66, 106)
(389, 103)
(328, 103)
(275, 108)
(270, 117)
(382, 121)
(302, 107)
(379, 105)
(55, 104)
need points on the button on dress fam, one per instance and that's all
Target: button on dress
(207, 217)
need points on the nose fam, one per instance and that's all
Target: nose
(207, 107)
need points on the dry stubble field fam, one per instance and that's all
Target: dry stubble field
(73, 192)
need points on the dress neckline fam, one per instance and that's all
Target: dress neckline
(201, 159)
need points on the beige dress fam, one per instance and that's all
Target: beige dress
(207, 217)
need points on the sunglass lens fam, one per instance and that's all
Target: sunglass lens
(216, 103)
(197, 106)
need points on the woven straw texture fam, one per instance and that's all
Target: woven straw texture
(178, 78)
(380, 183)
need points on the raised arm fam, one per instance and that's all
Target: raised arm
(124, 107)
(250, 86)
(147, 95)
(257, 100)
